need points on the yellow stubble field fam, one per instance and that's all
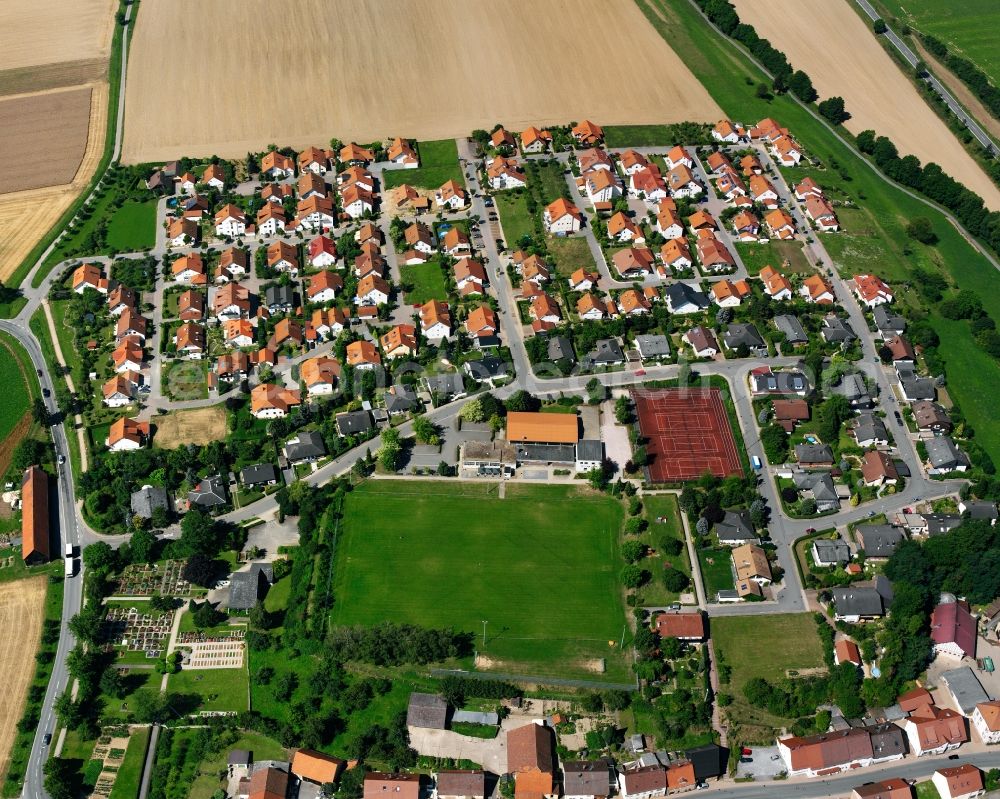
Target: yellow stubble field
(365, 70)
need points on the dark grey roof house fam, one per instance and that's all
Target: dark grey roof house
(427, 710)
(606, 352)
(944, 456)
(814, 454)
(826, 552)
(209, 493)
(308, 445)
(279, 299)
(682, 298)
(446, 386)
(857, 602)
(984, 511)
(709, 761)
(147, 499)
(587, 778)
(878, 540)
(259, 474)
(888, 323)
(853, 387)
(247, 588)
(735, 528)
(792, 328)
(489, 367)
(941, 523)
(819, 485)
(744, 335)
(652, 346)
(353, 422)
(559, 348)
(400, 399)
(837, 331)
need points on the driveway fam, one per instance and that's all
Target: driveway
(616, 446)
(490, 754)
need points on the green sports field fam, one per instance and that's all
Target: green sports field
(540, 566)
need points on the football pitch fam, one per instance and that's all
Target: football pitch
(540, 566)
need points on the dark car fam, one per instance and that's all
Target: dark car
(46, 392)
(953, 757)
(47, 739)
(898, 417)
(39, 372)
(746, 760)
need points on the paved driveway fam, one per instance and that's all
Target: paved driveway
(490, 754)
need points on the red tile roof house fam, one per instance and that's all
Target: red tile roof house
(531, 760)
(932, 730)
(685, 626)
(877, 469)
(871, 291)
(562, 217)
(846, 651)
(642, 782)
(953, 631)
(959, 782)
(986, 720)
(829, 753)
(892, 788)
(391, 786)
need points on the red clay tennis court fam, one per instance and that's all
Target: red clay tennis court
(688, 432)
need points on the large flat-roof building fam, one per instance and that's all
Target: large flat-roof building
(544, 437)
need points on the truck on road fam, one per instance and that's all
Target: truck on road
(69, 559)
(756, 463)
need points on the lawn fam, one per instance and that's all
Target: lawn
(219, 689)
(774, 253)
(568, 255)
(926, 790)
(133, 227)
(427, 281)
(514, 216)
(547, 181)
(792, 644)
(130, 771)
(965, 27)
(185, 380)
(662, 506)
(884, 210)
(452, 555)
(642, 136)
(438, 165)
(716, 571)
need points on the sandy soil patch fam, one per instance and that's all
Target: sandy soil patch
(52, 124)
(54, 31)
(852, 64)
(431, 69)
(21, 614)
(198, 426)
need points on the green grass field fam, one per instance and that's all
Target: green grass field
(716, 570)
(133, 227)
(427, 281)
(438, 165)
(540, 566)
(568, 255)
(968, 28)
(19, 384)
(547, 181)
(792, 644)
(514, 217)
(219, 689)
(774, 253)
(638, 136)
(878, 229)
(206, 778)
(662, 506)
(130, 771)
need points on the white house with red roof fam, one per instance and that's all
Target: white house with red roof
(872, 291)
(322, 252)
(561, 216)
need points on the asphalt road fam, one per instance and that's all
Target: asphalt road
(911, 58)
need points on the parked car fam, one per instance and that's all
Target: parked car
(747, 751)
(46, 392)
(746, 760)
(47, 739)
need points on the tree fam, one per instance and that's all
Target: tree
(112, 684)
(425, 431)
(774, 439)
(207, 616)
(198, 534)
(832, 108)
(632, 576)
(702, 526)
(100, 557)
(801, 86)
(879, 26)
(259, 617)
(39, 412)
(390, 451)
(148, 705)
(920, 229)
(675, 580)
(762, 91)
(598, 478)
(199, 570)
(141, 545)
(596, 392)
(633, 551)
(521, 401)
(623, 410)
(60, 778)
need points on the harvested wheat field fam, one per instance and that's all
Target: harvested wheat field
(55, 31)
(21, 612)
(54, 125)
(198, 426)
(26, 216)
(848, 61)
(430, 69)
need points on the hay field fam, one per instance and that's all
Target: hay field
(199, 426)
(55, 31)
(53, 125)
(22, 608)
(430, 69)
(852, 64)
(26, 216)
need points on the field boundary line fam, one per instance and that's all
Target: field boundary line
(533, 678)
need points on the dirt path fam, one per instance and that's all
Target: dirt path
(78, 419)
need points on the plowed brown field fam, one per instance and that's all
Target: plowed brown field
(364, 70)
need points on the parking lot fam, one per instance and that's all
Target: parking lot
(766, 765)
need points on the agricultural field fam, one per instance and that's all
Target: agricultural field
(793, 645)
(453, 556)
(56, 124)
(442, 97)
(853, 65)
(199, 426)
(20, 386)
(968, 28)
(22, 609)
